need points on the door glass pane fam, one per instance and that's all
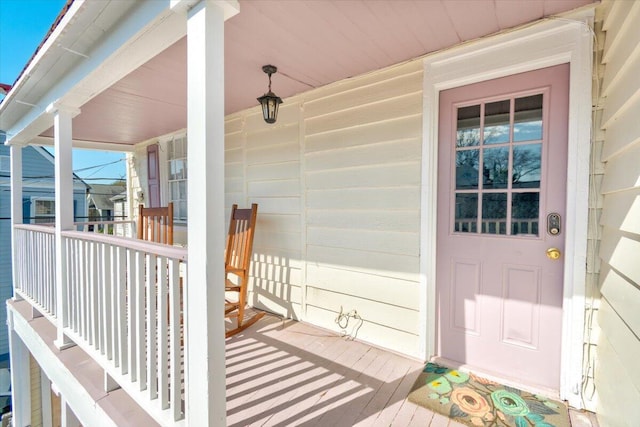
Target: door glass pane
(466, 213)
(496, 122)
(467, 169)
(524, 213)
(468, 126)
(495, 168)
(494, 213)
(527, 120)
(526, 165)
(508, 163)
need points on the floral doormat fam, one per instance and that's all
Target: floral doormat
(476, 401)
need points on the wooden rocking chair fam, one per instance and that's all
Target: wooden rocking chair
(237, 262)
(156, 224)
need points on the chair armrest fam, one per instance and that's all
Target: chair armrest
(233, 270)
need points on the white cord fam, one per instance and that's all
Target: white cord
(343, 322)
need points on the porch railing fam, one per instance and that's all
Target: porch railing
(497, 226)
(122, 228)
(122, 305)
(35, 267)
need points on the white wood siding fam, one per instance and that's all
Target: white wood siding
(262, 165)
(36, 391)
(362, 171)
(337, 180)
(618, 385)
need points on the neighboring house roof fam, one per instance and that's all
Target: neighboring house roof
(122, 197)
(100, 195)
(43, 176)
(49, 155)
(4, 88)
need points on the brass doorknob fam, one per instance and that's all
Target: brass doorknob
(553, 253)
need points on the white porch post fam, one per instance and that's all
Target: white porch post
(45, 399)
(205, 386)
(16, 204)
(69, 419)
(20, 377)
(62, 134)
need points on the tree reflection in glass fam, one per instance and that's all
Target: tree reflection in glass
(495, 167)
(468, 126)
(498, 160)
(526, 165)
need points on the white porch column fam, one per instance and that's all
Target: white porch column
(16, 204)
(205, 387)
(45, 399)
(69, 419)
(62, 134)
(20, 377)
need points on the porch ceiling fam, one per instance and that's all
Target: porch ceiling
(313, 43)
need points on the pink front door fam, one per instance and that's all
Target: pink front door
(501, 207)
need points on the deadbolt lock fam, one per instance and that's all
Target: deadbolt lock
(553, 253)
(553, 224)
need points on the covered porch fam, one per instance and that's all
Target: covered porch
(358, 144)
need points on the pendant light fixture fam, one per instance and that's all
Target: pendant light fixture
(270, 101)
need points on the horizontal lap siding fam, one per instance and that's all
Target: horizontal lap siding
(617, 384)
(362, 152)
(337, 181)
(36, 393)
(263, 166)
(6, 281)
(234, 184)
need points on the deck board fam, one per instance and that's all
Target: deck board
(290, 373)
(284, 373)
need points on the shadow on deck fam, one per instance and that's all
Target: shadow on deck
(283, 372)
(286, 372)
(279, 372)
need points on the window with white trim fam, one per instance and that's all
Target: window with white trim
(5, 164)
(44, 210)
(177, 174)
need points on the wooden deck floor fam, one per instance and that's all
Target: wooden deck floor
(279, 373)
(283, 373)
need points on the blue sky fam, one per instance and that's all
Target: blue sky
(23, 26)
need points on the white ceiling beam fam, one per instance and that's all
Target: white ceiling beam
(47, 141)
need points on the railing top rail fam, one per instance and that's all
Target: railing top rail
(40, 227)
(160, 249)
(121, 221)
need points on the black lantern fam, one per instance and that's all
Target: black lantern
(269, 101)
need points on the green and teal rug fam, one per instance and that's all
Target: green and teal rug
(476, 401)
